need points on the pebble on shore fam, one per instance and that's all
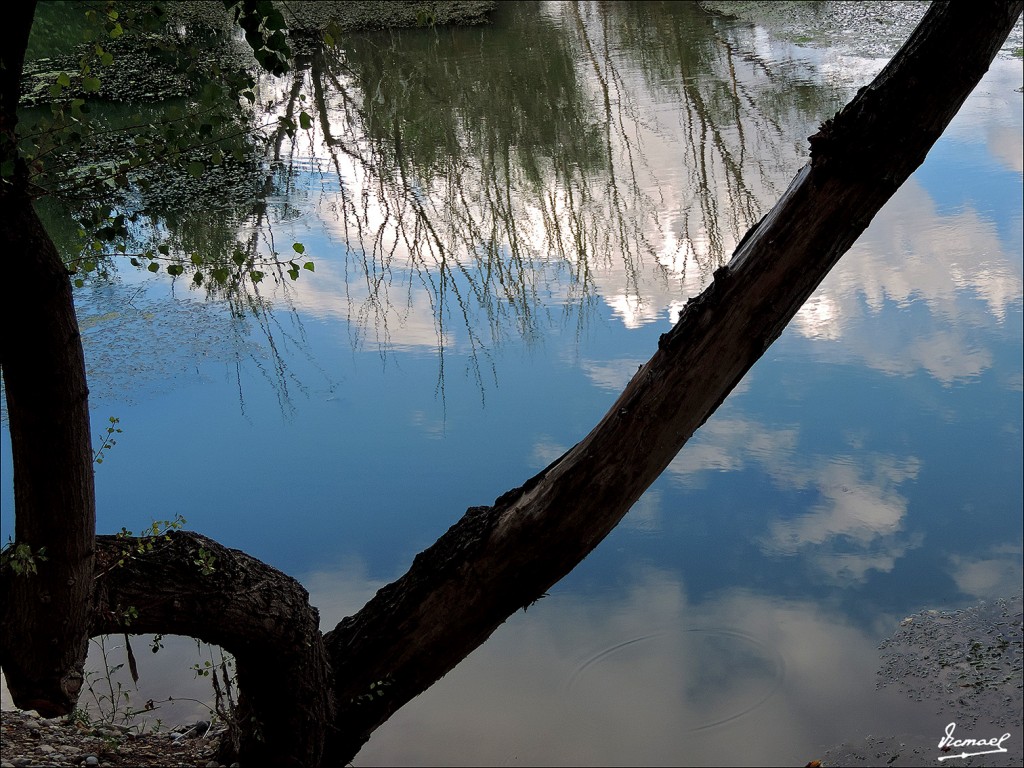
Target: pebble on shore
(29, 740)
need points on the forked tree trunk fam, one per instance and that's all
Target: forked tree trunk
(498, 559)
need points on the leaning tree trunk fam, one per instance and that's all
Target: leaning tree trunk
(497, 559)
(45, 633)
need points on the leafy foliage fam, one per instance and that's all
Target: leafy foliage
(21, 559)
(107, 440)
(113, 168)
(147, 540)
(264, 28)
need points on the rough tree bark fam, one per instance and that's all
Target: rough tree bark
(498, 559)
(259, 614)
(45, 633)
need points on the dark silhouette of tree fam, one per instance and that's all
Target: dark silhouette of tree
(311, 699)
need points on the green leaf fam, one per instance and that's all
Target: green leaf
(298, 247)
(90, 84)
(153, 267)
(116, 31)
(216, 157)
(64, 79)
(309, 265)
(305, 121)
(164, 249)
(196, 259)
(293, 273)
(79, 282)
(175, 269)
(256, 275)
(195, 169)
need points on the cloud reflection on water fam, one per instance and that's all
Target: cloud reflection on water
(631, 676)
(856, 523)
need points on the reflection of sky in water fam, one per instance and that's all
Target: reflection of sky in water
(868, 466)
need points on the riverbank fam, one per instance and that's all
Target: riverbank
(29, 740)
(965, 664)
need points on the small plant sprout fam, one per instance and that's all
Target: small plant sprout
(21, 559)
(107, 440)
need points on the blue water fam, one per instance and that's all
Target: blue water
(869, 466)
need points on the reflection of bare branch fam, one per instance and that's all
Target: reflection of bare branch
(455, 188)
(465, 233)
(494, 224)
(503, 194)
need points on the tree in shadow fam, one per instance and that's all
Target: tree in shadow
(325, 694)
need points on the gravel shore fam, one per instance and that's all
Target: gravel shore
(967, 666)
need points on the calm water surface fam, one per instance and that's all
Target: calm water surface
(503, 221)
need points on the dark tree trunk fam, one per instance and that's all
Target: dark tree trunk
(498, 559)
(44, 637)
(190, 585)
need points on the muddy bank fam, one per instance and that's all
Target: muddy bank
(966, 666)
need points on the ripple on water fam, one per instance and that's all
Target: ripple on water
(699, 678)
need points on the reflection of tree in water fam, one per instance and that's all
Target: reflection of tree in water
(472, 159)
(508, 171)
(509, 174)
(154, 102)
(734, 112)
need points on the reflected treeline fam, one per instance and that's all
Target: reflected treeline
(465, 160)
(502, 175)
(165, 165)
(737, 114)
(515, 168)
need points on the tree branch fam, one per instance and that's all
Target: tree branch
(190, 585)
(500, 558)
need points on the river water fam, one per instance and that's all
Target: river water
(503, 220)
